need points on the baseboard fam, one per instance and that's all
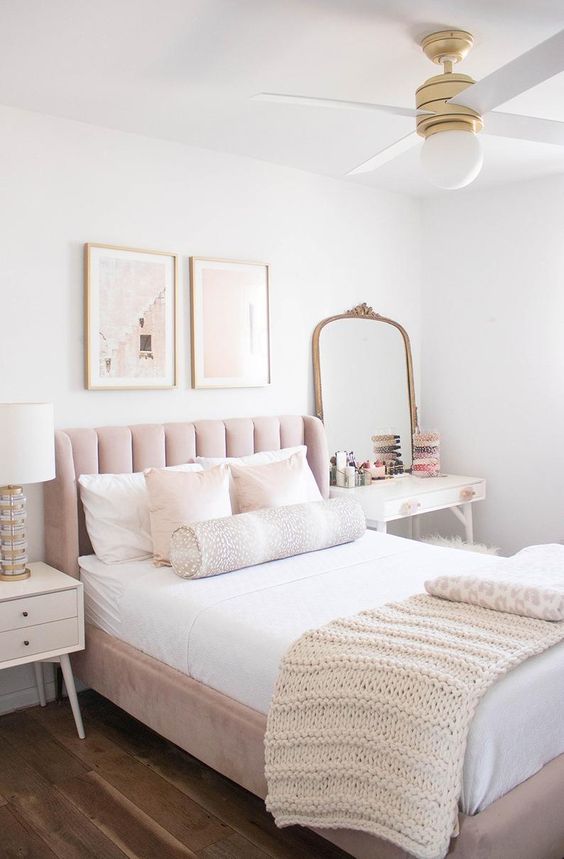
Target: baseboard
(21, 698)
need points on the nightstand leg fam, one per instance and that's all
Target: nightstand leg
(38, 668)
(71, 692)
(381, 527)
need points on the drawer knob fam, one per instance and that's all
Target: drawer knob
(410, 507)
(26, 643)
(24, 613)
(468, 493)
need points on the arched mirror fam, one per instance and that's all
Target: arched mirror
(363, 376)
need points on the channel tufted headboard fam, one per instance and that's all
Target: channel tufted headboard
(125, 449)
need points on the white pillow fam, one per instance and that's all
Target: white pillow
(275, 484)
(261, 458)
(116, 509)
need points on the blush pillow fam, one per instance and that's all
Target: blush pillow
(116, 511)
(275, 484)
(211, 548)
(176, 498)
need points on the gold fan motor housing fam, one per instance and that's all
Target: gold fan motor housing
(453, 44)
(446, 47)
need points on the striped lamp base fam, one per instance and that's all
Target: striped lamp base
(13, 535)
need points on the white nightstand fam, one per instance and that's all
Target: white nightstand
(399, 498)
(42, 620)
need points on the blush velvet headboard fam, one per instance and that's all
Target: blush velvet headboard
(126, 449)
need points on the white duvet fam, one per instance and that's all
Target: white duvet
(230, 632)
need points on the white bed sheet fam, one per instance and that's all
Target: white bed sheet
(230, 632)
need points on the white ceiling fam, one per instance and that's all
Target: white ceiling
(184, 70)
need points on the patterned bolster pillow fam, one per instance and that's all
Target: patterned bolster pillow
(223, 545)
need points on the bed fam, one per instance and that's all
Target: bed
(183, 656)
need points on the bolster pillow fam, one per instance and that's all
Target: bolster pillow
(223, 545)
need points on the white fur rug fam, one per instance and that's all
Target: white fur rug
(458, 543)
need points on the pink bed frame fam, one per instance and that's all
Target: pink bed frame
(527, 823)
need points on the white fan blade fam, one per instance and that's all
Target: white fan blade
(387, 154)
(531, 68)
(283, 98)
(524, 127)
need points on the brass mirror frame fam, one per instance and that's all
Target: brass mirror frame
(363, 311)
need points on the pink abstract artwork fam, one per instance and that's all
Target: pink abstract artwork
(230, 324)
(131, 315)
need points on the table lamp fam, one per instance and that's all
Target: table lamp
(27, 455)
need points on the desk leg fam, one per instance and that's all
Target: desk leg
(382, 527)
(38, 668)
(468, 522)
(415, 528)
(71, 692)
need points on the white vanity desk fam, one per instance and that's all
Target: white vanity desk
(399, 498)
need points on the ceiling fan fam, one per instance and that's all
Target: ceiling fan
(450, 108)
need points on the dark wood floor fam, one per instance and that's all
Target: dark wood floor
(124, 791)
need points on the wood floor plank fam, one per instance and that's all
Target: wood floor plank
(158, 798)
(37, 806)
(131, 735)
(36, 746)
(245, 814)
(92, 751)
(239, 809)
(68, 833)
(16, 841)
(133, 831)
(18, 778)
(234, 847)
(126, 791)
(171, 808)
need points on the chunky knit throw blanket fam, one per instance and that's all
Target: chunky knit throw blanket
(370, 716)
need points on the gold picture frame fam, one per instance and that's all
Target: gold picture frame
(130, 318)
(229, 323)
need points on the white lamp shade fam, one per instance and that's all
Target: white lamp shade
(27, 443)
(452, 159)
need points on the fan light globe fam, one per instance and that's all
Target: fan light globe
(452, 159)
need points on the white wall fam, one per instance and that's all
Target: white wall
(331, 245)
(493, 351)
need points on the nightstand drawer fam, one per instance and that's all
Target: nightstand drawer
(30, 611)
(19, 643)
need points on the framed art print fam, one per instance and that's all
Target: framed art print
(130, 305)
(230, 324)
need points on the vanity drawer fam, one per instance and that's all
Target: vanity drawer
(19, 643)
(421, 502)
(30, 611)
